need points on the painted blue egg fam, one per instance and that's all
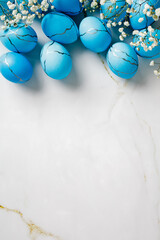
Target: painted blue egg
(19, 39)
(4, 10)
(122, 60)
(115, 12)
(151, 54)
(94, 34)
(71, 7)
(60, 28)
(56, 60)
(15, 67)
(138, 19)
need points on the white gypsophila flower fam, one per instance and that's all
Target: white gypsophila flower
(140, 19)
(152, 63)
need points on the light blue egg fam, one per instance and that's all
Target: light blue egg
(138, 6)
(4, 10)
(15, 67)
(122, 60)
(60, 28)
(151, 54)
(94, 34)
(115, 12)
(70, 7)
(56, 60)
(19, 39)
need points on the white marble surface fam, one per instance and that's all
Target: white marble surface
(80, 159)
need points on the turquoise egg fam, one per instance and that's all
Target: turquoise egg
(71, 7)
(60, 28)
(122, 60)
(94, 34)
(19, 39)
(151, 54)
(138, 6)
(15, 67)
(115, 12)
(56, 60)
(4, 10)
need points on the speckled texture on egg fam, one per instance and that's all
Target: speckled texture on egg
(122, 60)
(151, 54)
(138, 5)
(94, 34)
(60, 28)
(71, 7)
(56, 60)
(19, 39)
(15, 67)
(118, 12)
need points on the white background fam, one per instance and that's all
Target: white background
(80, 158)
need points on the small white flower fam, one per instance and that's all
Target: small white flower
(140, 19)
(151, 63)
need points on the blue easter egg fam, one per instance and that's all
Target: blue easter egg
(138, 6)
(19, 39)
(56, 60)
(122, 60)
(71, 7)
(115, 12)
(4, 10)
(60, 28)
(151, 54)
(94, 34)
(15, 67)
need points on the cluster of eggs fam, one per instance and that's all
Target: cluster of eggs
(61, 29)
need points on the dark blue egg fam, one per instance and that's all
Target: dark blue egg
(19, 39)
(60, 28)
(94, 34)
(122, 60)
(15, 67)
(56, 60)
(70, 7)
(151, 54)
(115, 12)
(138, 6)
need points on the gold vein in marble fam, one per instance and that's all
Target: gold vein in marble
(34, 230)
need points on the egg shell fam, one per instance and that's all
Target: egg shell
(138, 5)
(70, 7)
(122, 60)
(19, 39)
(56, 60)
(116, 14)
(15, 67)
(4, 10)
(151, 54)
(60, 28)
(94, 34)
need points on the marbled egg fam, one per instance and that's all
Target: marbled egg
(4, 10)
(151, 54)
(15, 67)
(55, 60)
(94, 34)
(122, 60)
(115, 12)
(60, 28)
(70, 7)
(19, 39)
(138, 19)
